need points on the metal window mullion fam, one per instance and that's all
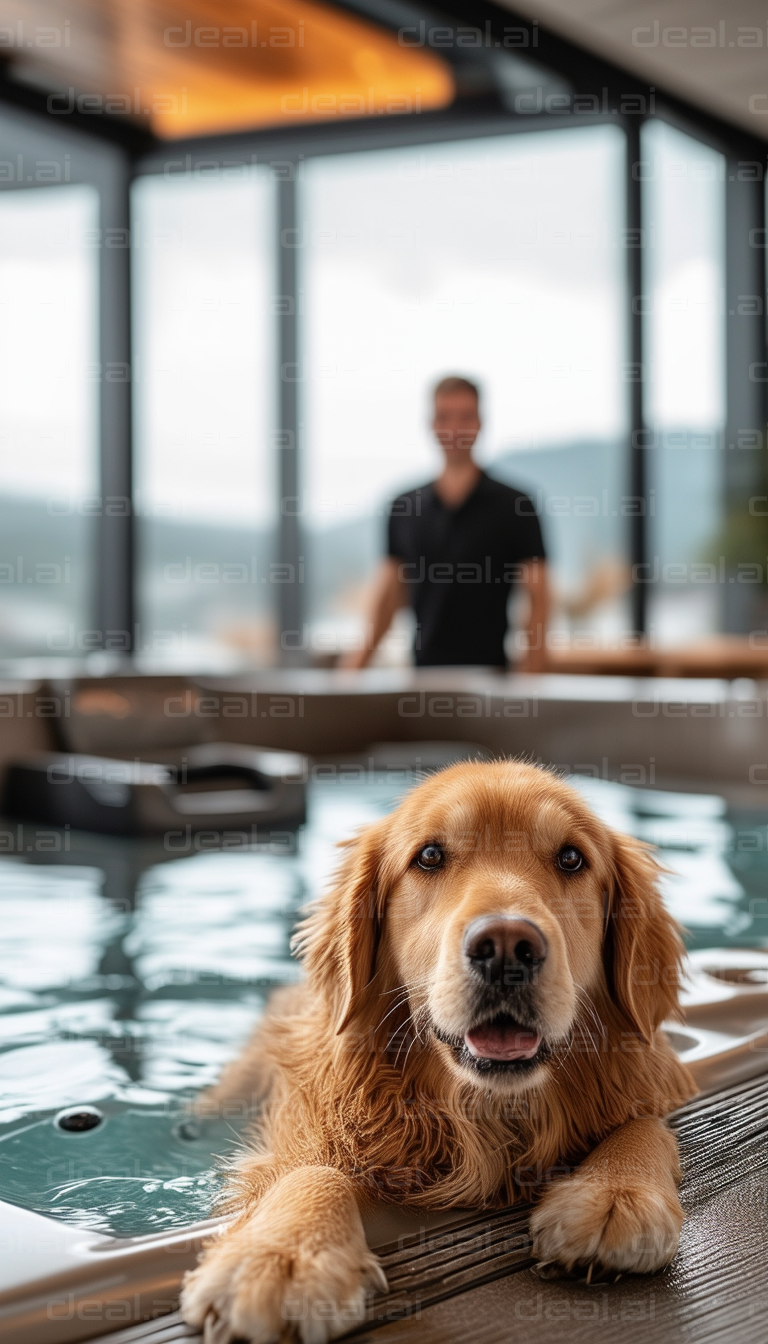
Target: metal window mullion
(638, 539)
(746, 367)
(290, 604)
(114, 572)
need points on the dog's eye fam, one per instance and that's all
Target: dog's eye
(570, 859)
(431, 856)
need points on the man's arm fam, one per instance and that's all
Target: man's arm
(538, 593)
(388, 595)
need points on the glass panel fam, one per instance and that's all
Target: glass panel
(203, 332)
(49, 405)
(684, 224)
(500, 259)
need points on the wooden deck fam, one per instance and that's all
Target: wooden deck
(472, 1280)
(477, 1283)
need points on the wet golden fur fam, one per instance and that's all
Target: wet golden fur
(361, 1100)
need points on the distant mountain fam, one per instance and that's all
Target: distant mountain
(213, 580)
(192, 579)
(685, 493)
(577, 490)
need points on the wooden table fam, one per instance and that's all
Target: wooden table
(724, 656)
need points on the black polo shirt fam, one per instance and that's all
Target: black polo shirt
(459, 564)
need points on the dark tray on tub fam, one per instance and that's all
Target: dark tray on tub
(214, 786)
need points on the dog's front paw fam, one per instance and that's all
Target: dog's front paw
(583, 1222)
(250, 1286)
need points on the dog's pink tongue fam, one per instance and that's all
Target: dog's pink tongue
(501, 1041)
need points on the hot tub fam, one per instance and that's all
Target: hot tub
(134, 969)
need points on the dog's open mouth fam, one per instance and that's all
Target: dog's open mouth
(502, 1040)
(501, 1044)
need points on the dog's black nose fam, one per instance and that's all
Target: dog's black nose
(504, 949)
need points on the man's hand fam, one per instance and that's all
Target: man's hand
(354, 659)
(536, 582)
(388, 595)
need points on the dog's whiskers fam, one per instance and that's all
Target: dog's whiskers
(411, 1028)
(410, 1022)
(417, 1032)
(586, 1003)
(419, 983)
(399, 1004)
(589, 1012)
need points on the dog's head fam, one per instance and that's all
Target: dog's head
(491, 907)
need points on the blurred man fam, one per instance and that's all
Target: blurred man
(455, 548)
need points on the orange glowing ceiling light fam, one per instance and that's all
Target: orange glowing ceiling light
(201, 67)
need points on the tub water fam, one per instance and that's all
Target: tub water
(129, 975)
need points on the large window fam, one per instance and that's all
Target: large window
(503, 257)
(49, 398)
(499, 258)
(204, 320)
(684, 357)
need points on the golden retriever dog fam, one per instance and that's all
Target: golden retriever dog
(478, 1024)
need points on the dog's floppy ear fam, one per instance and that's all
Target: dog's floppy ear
(644, 950)
(339, 939)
